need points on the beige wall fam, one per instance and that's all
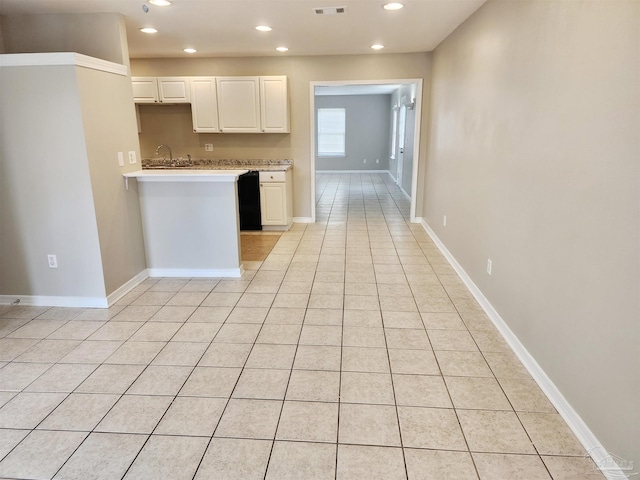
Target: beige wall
(46, 205)
(534, 158)
(100, 35)
(110, 127)
(63, 187)
(300, 71)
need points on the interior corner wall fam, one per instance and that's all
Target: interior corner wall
(533, 158)
(46, 204)
(110, 127)
(99, 35)
(367, 133)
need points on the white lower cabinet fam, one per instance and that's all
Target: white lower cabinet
(276, 200)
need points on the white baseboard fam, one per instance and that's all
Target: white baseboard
(55, 301)
(75, 302)
(127, 287)
(302, 220)
(596, 450)
(106, 302)
(196, 272)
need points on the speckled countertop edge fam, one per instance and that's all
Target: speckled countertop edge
(215, 164)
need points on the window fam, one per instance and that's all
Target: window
(331, 132)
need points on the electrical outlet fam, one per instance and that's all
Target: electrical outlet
(132, 157)
(53, 261)
(208, 147)
(121, 159)
(364, 161)
(489, 265)
(444, 220)
(377, 160)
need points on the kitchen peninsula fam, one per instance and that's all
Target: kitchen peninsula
(190, 222)
(190, 213)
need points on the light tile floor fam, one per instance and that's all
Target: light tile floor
(353, 351)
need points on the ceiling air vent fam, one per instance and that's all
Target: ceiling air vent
(330, 10)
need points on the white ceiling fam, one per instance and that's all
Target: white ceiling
(227, 27)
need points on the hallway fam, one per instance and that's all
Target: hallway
(353, 351)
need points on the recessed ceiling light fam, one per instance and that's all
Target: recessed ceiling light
(282, 49)
(377, 46)
(263, 28)
(393, 6)
(148, 30)
(160, 3)
(189, 50)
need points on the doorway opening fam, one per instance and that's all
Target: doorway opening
(380, 132)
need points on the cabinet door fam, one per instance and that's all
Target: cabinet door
(238, 105)
(274, 104)
(273, 203)
(173, 89)
(204, 105)
(145, 89)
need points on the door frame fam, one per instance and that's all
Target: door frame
(416, 137)
(401, 132)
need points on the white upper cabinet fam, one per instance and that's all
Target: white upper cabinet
(274, 104)
(145, 89)
(174, 89)
(161, 89)
(204, 105)
(238, 104)
(223, 104)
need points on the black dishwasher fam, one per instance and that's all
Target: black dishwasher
(249, 201)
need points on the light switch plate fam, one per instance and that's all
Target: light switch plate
(132, 157)
(121, 159)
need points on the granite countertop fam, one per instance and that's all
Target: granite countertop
(217, 164)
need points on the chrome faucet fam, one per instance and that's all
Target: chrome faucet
(167, 147)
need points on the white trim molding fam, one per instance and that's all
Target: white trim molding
(196, 272)
(121, 291)
(75, 302)
(303, 220)
(61, 58)
(584, 434)
(55, 301)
